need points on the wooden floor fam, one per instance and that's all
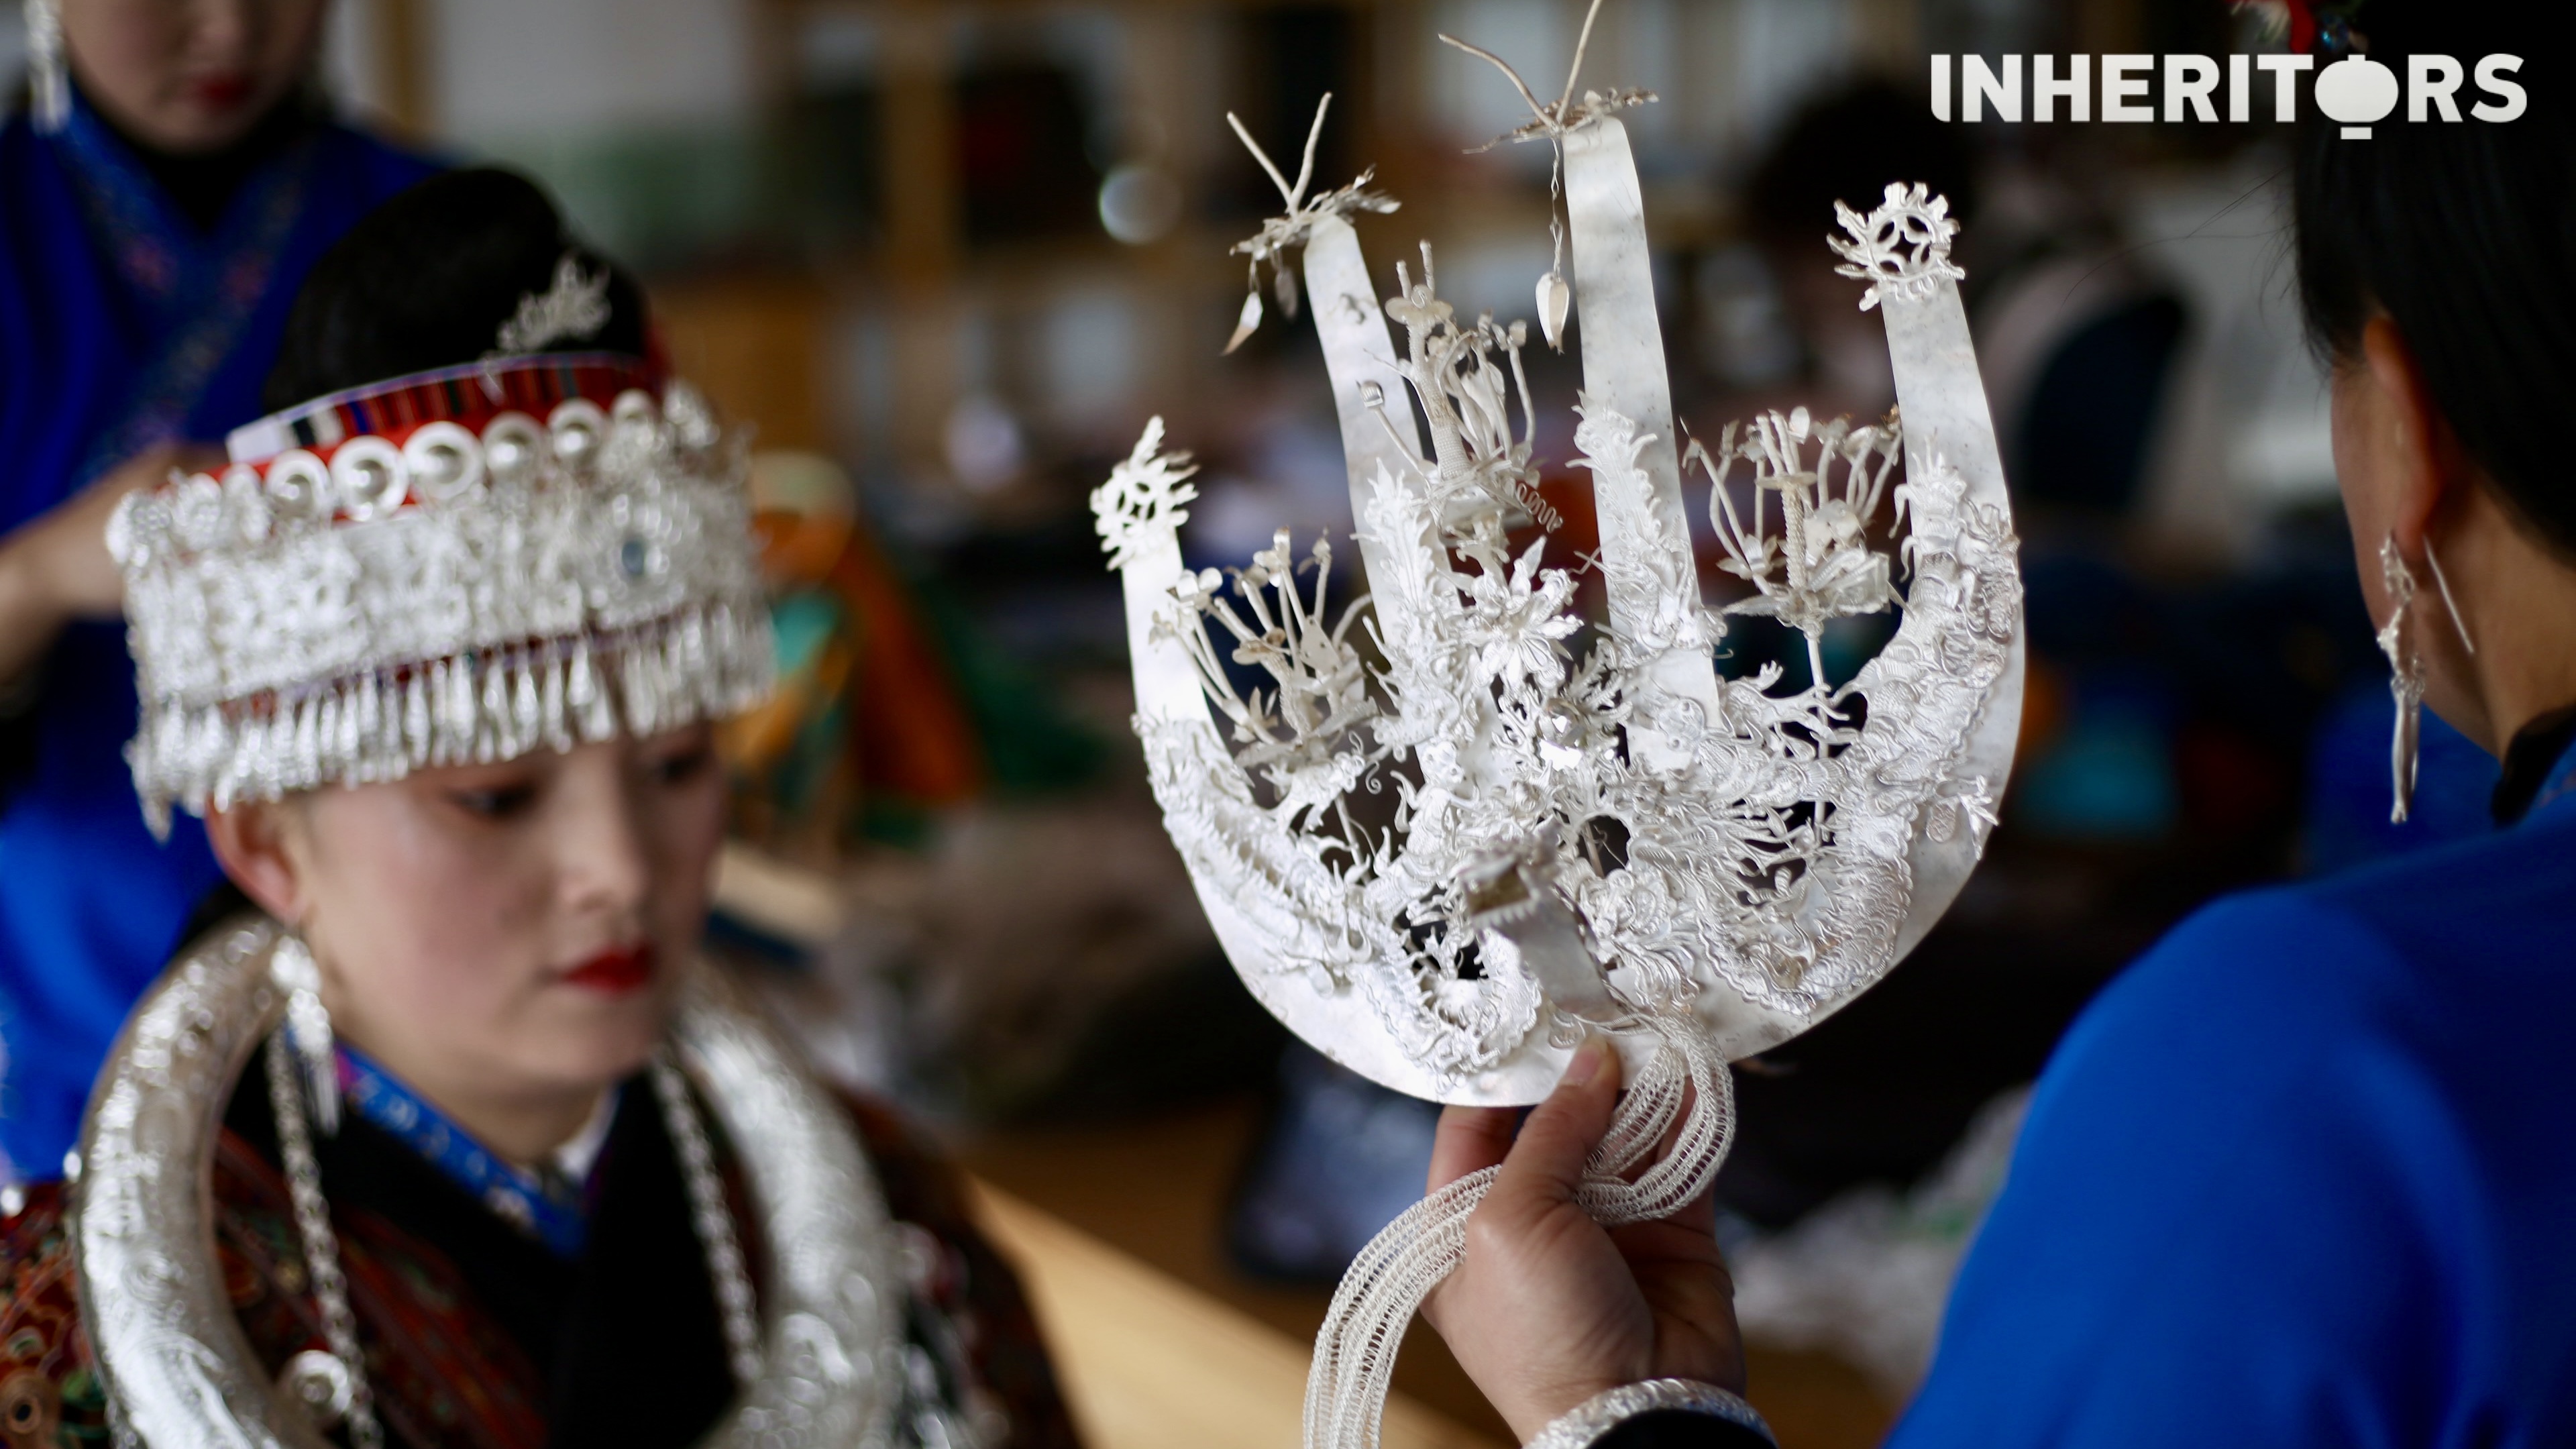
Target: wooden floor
(1075, 1201)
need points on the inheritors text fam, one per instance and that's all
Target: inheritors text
(2355, 92)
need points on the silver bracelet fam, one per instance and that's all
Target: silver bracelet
(1607, 1410)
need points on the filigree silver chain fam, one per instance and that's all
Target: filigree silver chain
(714, 1222)
(336, 1387)
(333, 1386)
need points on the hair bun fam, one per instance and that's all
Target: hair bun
(429, 279)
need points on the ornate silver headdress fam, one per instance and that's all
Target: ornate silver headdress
(1442, 844)
(434, 571)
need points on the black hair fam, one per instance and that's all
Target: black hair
(2465, 235)
(426, 281)
(1845, 145)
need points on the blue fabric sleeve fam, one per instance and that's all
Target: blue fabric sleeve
(90, 904)
(2227, 1221)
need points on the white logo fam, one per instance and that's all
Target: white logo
(2355, 92)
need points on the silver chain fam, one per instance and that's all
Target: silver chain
(311, 1380)
(333, 1386)
(714, 1219)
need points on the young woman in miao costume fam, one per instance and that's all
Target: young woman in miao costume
(443, 1136)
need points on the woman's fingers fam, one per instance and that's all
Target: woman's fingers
(1542, 1313)
(1548, 1309)
(1546, 1163)
(1469, 1139)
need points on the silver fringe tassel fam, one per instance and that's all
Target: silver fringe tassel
(702, 663)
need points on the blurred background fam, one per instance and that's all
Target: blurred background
(947, 258)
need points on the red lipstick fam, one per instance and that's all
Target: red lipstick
(223, 92)
(616, 970)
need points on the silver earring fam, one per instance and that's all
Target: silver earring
(2449, 603)
(2406, 679)
(308, 1028)
(48, 74)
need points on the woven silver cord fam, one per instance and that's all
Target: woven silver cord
(1603, 1412)
(1355, 1351)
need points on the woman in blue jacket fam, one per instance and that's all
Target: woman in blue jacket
(2306, 1174)
(162, 195)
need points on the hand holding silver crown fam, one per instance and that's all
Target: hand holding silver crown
(1443, 845)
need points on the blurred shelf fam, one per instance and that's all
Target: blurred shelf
(1194, 256)
(756, 345)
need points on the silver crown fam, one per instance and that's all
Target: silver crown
(471, 593)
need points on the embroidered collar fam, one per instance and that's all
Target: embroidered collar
(550, 1204)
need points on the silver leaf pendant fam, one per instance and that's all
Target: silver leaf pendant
(1554, 300)
(1245, 324)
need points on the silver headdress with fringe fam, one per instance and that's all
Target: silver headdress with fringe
(459, 566)
(1448, 838)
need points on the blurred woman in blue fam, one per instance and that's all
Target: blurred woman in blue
(2305, 1175)
(162, 194)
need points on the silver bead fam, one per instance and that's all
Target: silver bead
(580, 430)
(320, 1384)
(514, 449)
(368, 476)
(299, 486)
(445, 460)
